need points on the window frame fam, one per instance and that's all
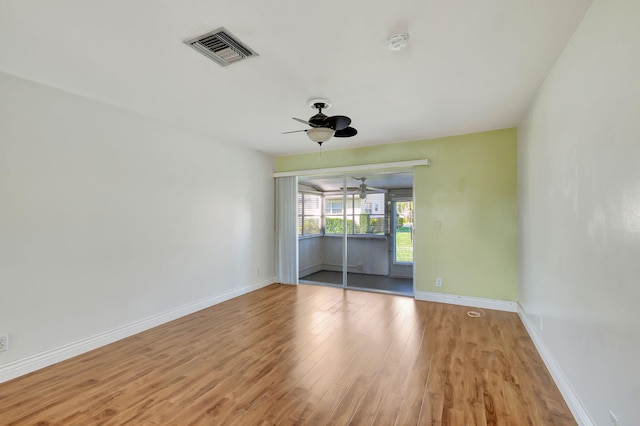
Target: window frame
(301, 214)
(351, 214)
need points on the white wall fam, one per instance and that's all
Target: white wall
(310, 255)
(579, 203)
(365, 255)
(108, 218)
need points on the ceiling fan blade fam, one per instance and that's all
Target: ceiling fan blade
(294, 131)
(372, 188)
(345, 133)
(338, 122)
(301, 120)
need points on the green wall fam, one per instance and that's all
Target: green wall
(470, 188)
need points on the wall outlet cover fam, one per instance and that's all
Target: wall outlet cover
(4, 342)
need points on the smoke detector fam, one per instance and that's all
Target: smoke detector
(397, 41)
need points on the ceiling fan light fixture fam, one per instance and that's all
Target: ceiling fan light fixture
(320, 134)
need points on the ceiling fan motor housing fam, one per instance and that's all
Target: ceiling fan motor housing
(318, 120)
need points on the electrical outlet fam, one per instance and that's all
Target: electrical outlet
(4, 342)
(614, 419)
(438, 282)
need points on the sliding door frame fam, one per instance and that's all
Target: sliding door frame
(401, 166)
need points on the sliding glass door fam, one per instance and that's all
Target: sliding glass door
(347, 230)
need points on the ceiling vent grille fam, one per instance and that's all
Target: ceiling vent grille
(221, 46)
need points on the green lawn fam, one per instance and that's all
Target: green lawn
(404, 246)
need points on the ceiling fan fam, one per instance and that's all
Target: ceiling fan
(323, 127)
(362, 189)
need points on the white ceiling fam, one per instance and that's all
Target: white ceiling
(472, 65)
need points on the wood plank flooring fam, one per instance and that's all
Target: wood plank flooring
(311, 355)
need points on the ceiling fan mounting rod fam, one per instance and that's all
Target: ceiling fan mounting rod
(315, 103)
(320, 106)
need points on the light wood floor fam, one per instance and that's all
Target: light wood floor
(302, 355)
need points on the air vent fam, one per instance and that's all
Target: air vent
(221, 46)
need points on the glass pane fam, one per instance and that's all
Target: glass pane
(311, 225)
(333, 214)
(370, 214)
(320, 247)
(334, 225)
(312, 205)
(333, 206)
(374, 224)
(353, 203)
(309, 214)
(404, 231)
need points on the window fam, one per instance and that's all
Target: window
(333, 214)
(309, 214)
(333, 206)
(363, 216)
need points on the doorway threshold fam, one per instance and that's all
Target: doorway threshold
(365, 282)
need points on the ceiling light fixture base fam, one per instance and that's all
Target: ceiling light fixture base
(314, 102)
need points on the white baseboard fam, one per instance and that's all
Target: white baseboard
(575, 405)
(358, 268)
(476, 302)
(35, 362)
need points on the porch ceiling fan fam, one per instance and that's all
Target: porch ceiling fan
(362, 189)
